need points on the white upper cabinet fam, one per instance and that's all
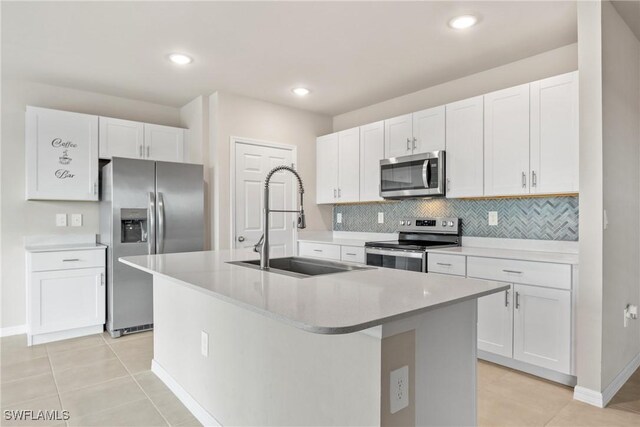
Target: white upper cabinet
(398, 136)
(349, 165)
(506, 142)
(327, 169)
(464, 160)
(121, 138)
(371, 152)
(61, 155)
(429, 130)
(554, 135)
(163, 143)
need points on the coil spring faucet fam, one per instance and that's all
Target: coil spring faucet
(262, 247)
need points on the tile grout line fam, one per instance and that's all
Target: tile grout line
(55, 382)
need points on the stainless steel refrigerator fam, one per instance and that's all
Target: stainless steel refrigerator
(146, 207)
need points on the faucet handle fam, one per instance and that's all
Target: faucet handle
(257, 246)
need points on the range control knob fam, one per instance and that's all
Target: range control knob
(402, 222)
(408, 222)
(444, 223)
(450, 223)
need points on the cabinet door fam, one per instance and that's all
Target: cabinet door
(349, 165)
(327, 169)
(554, 134)
(464, 137)
(506, 142)
(66, 299)
(121, 138)
(428, 130)
(542, 327)
(371, 152)
(164, 143)
(398, 136)
(61, 155)
(495, 323)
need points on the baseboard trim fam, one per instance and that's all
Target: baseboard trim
(13, 330)
(602, 399)
(36, 339)
(192, 405)
(545, 373)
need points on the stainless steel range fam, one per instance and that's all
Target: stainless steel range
(416, 235)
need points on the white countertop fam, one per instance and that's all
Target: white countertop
(64, 247)
(332, 304)
(540, 256)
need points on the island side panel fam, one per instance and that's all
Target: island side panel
(260, 371)
(445, 365)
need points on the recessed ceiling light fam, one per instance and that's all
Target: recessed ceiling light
(462, 22)
(301, 91)
(180, 59)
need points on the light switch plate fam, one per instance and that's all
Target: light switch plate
(204, 343)
(399, 389)
(339, 217)
(380, 217)
(493, 218)
(76, 220)
(61, 220)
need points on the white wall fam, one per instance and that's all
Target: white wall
(621, 191)
(553, 62)
(232, 115)
(22, 218)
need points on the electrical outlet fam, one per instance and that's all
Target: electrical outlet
(339, 217)
(380, 217)
(76, 220)
(493, 218)
(204, 343)
(399, 389)
(61, 220)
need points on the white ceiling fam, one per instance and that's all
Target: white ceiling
(349, 54)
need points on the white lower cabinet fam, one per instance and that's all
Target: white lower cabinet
(332, 251)
(495, 323)
(542, 327)
(64, 301)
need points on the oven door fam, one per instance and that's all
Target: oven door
(420, 175)
(398, 259)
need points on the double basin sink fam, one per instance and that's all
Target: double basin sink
(301, 267)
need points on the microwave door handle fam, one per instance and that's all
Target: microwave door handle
(426, 174)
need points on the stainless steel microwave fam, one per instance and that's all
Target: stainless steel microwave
(418, 175)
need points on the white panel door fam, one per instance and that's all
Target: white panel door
(252, 163)
(464, 137)
(349, 165)
(398, 136)
(327, 169)
(121, 138)
(429, 130)
(164, 143)
(506, 142)
(542, 327)
(554, 134)
(371, 152)
(67, 299)
(495, 323)
(61, 155)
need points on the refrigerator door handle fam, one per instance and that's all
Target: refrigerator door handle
(151, 229)
(160, 223)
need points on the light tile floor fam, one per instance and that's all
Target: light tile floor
(107, 382)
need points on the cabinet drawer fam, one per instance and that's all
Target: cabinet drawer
(319, 250)
(525, 272)
(352, 254)
(64, 260)
(447, 264)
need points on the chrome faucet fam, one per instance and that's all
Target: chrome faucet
(262, 247)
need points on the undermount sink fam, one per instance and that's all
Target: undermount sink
(301, 267)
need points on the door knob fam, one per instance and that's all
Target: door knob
(240, 238)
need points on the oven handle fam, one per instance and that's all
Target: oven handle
(398, 253)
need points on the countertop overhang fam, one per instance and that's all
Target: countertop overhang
(338, 303)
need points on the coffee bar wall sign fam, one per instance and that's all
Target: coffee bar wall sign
(61, 155)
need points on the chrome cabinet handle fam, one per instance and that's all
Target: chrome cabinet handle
(335, 193)
(524, 180)
(444, 264)
(240, 238)
(517, 299)
(506, 298)
(317, 250)
(512, 271)
(151, 229)
(408, 144)
(339, 192)
(95, 187)
(148, 151)
(351, 254)
(448, 185)
(414, 143)
(71, 259)
(534, 179)
(161, 224)
(140, 151)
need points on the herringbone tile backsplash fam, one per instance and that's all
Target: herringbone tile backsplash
(544, 218)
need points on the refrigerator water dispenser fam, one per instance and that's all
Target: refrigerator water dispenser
(133, 223)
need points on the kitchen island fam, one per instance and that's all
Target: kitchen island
(241, 346)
